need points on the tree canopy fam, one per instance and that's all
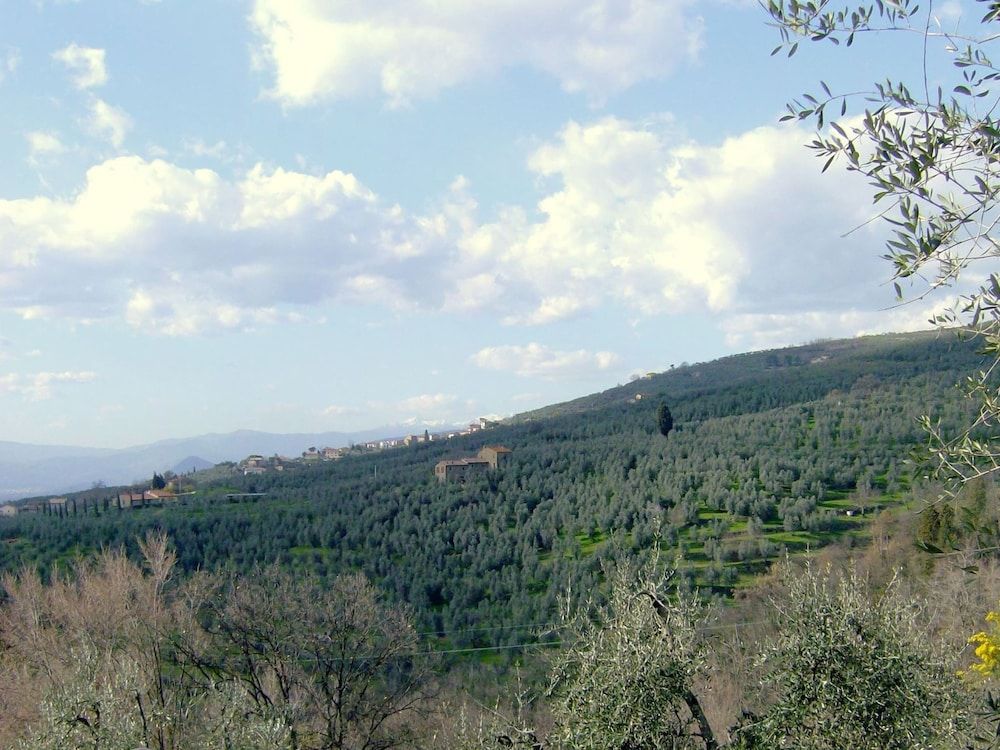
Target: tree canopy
(664, 419)
(931, 154)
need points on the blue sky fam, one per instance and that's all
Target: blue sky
(305, 215)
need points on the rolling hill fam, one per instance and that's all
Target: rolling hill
(777, 451)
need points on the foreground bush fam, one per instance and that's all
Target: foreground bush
(115, 656)
(626, 680)
(851, 668)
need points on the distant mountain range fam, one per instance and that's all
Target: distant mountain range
(29, 470)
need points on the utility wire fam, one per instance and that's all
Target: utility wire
(526, 645)
(543, 625)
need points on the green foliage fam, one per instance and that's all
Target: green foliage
(928, 149)
(332, 661)
(115, 657)
(852, 668)
(664, 419)
(758, 447)
(935, 529)
(83, 711)
(626, 680)
(99, 705)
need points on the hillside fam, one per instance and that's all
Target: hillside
(769, 453)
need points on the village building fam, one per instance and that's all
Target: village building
(159, 496)
(256, 464)
(59, 504)
(8, 510)
(490, 458)
(128, 500)
(460, 469)
(497, 455)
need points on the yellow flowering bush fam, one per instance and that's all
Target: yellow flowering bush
(987, 647)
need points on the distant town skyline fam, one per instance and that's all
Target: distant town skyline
(306, 216)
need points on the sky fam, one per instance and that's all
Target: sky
(331, 215)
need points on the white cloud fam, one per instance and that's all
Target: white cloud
(198, 147)
(86, 65)
(537, 360)
(771, 330)
(108, 122)
(38, 387)
(180, 312)
(43, 145)
(631, 217)
(640, 220)
(181, 251)
(409, 49)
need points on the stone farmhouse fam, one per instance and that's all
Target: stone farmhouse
(490, 458)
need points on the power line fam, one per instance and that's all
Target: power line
(474, 649)
(533, 644)
(542, 625)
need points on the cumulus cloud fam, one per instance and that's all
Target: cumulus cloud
(630, 217)
(218, 151)
(537, 360)
(108, 122)
(43, 145)
(771, 330)
(637, 219)
(409, 49)
(86, 65)
(180, 251)
(38, 387)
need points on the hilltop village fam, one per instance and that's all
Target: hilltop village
(258, 464)
(172, 491)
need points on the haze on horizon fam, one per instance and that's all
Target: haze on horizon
(300, 216)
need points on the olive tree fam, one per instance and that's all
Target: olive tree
(851, 667)
(626, 679)
(931, 155)
(98, 705)
(87, 663)
(340, 667)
